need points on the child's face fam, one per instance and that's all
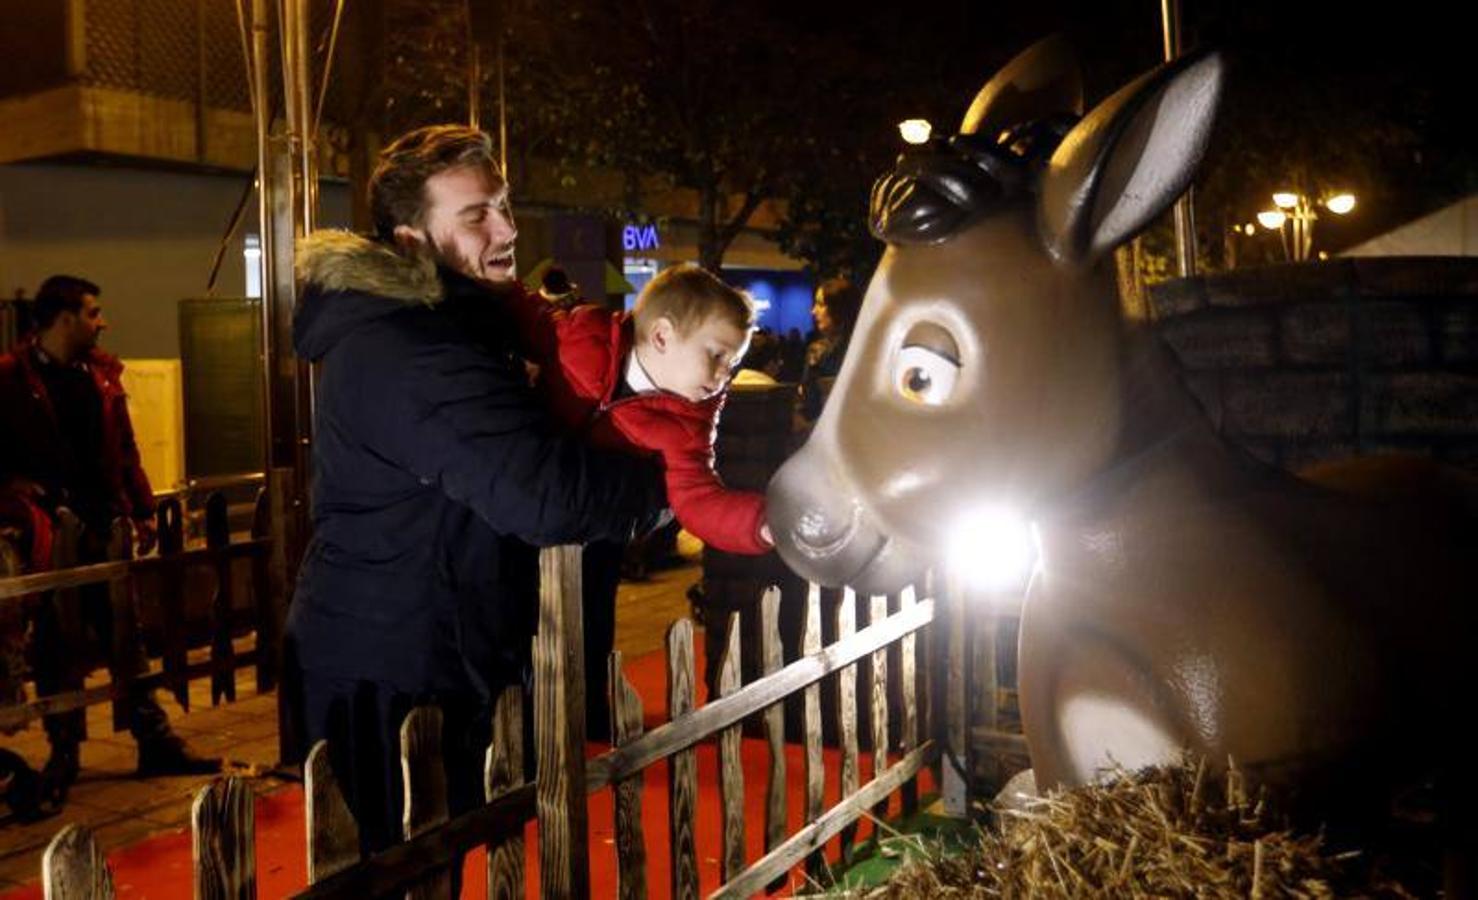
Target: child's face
(698, 364)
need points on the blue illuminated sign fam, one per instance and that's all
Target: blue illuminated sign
(640, 237)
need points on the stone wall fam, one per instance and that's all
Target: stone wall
(1313, 361)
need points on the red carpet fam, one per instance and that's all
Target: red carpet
(159, 868)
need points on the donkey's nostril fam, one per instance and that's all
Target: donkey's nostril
(818, 537)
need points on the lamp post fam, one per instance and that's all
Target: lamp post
(1293, 216)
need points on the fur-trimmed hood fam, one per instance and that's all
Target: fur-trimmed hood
(346, 279)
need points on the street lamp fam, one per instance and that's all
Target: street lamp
(1297, 210)
(915, 131)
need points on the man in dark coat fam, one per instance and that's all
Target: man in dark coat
(436, 470)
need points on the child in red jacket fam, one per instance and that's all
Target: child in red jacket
(654, 380)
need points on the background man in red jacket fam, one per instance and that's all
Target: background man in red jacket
(69, 443)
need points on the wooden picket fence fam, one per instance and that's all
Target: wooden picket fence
(887, 650)
(168, 573)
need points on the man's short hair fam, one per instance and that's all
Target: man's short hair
(59, 294)
(398, 186)
(688, 296)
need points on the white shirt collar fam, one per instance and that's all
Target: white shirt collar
(636, 377)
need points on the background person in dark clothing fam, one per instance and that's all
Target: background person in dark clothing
(838, 301)
(436, 474)
(69, 443)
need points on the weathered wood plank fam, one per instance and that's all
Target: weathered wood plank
(124, 654)
(955, 750)
(985, 674)
(771, 661)
(333, 835)
(170, 522)
(662, 742)
(631, 846)
(224, 841)
(908, 681)
(559, 726)
(504, 771)
(425, 801)
(383, 873)
(682, 788)
(730, 767)
(96, 573)
(815, 767)
(264, 604)
(74, 868)
(847, 718)
(14, 717)
(879, 612)
(222, 653)
(813, 837)
(271, 521)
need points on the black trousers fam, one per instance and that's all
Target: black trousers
(600, 576)
(361, 721)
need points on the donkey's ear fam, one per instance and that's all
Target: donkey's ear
(1043, 80)
(1128, 160)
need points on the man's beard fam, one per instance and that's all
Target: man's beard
(450, 256)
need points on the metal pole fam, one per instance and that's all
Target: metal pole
(302, 209)
(1185, 217)
(262, 113)
(474, 67)
(502, 110)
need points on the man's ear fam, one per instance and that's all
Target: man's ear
(409, 239)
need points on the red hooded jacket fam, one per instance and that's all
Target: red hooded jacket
(582, 357)
(33, 437)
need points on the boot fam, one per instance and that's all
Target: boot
(60, 772)
(168, 755)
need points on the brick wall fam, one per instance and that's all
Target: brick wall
(1314, 361)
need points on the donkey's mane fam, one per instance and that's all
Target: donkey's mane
(941, 187)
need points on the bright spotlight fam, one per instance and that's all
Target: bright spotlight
(994, 549)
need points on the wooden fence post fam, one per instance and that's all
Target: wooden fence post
(730, 766)
(224, 841)
(879, 612)
(816, 868)
(771, 661)
(631, 848)
(74, 868)
(124, 654)
(682, 781)
(504, 771)
(954, 723)
(333, 835)
(559, 727)
(222, 653)
(424, 769)
(908, 694)
(847, 718)
(170, 523)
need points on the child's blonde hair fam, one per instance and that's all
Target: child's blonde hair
(688, 296)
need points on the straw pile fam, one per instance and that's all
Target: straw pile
(1164, 832)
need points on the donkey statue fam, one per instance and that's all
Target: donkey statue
(1186, 596)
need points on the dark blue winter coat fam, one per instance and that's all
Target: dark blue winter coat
(435, 470)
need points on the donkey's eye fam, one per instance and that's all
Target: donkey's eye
(925, 376)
